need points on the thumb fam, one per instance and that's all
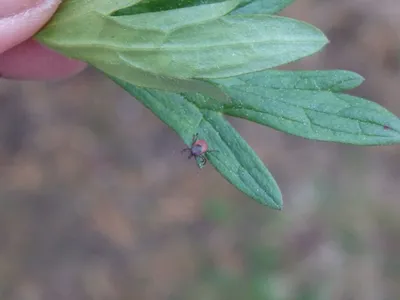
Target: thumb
(21, 19)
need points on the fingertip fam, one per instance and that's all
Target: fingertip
(21, 19)
(33, 61)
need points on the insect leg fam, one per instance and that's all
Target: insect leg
(203, 160)
(184, 150)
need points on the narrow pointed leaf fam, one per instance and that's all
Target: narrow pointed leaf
(235, 160)
(246, 6)
(263, 7)
(153, 49)
(146, 6)
(227, 46)
(308, 104)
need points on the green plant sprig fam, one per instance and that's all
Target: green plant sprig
(193, 61)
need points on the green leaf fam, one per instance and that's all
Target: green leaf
(146, 6)
(234, 159)
(169, 49)
(246, 6)
(77, 9)
(227, 46)
(77, 31)
(263, 6)
(307, 104)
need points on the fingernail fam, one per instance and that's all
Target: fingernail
(9, 8)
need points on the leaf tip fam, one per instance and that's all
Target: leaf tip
(278, 204)
(274, 202)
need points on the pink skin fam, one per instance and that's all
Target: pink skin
(20, 56)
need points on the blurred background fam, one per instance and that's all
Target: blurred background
(96, 201)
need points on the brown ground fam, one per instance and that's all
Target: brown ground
(97, 203)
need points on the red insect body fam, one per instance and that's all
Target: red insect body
(198, 149)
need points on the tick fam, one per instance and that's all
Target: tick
(198, 149)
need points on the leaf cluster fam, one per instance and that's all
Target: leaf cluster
(193, 61)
